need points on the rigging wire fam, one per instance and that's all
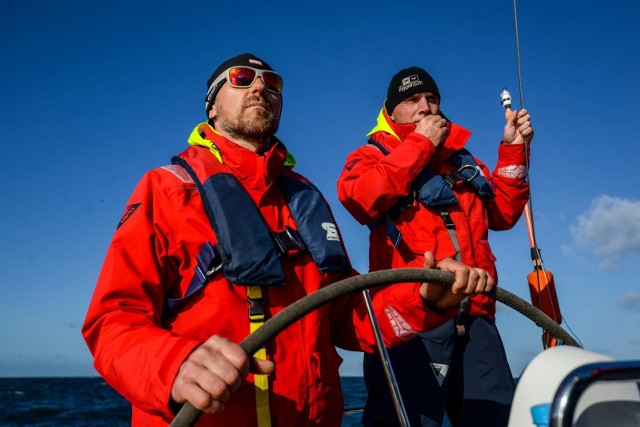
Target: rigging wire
(534, 244)
(521, 96)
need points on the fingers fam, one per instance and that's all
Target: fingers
(265, 367)
(518, 128)
(211, 373)
(476, 281)
(433, 127)
(431, 292)
(429, 260)
(468, 280)
(508, 114)
(524, 125)
(461, 272)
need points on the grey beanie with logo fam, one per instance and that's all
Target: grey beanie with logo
(407, 82)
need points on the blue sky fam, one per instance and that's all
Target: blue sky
(94, 93)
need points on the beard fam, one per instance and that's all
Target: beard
(259, 124)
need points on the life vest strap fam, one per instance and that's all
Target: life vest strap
(289, 242)
(256, 306)
(209, 261)
(465, 173)
(453, 179)
(461, 318)
(463, 310)
(260, 381)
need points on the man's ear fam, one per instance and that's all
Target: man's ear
(212, 112)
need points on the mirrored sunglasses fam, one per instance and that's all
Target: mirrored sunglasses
(243, 77)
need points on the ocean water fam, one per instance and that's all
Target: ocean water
(61, 402)
(91, 402)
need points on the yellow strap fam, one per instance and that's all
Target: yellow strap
(261, 382)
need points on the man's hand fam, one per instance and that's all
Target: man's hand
(433, 127)
(518, 129)
(468, 281)
(212, 372)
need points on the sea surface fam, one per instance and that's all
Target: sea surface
(91, 402)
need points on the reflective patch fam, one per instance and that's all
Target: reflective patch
(512, 171)
(440, 371)
(179, 172)
(401, 327)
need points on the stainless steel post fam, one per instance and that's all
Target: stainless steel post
(386, 363)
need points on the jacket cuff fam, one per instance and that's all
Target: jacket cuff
(170, 372)
(513, 153)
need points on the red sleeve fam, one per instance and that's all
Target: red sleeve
(391, 176)
(400, 312)
(123, 327)
(510, 187)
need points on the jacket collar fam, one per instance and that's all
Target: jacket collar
(246, 163)
(456, 140)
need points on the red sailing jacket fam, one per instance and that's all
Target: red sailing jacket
(152, 257)
(372, 182)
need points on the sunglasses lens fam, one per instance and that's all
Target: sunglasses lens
(241, 76)
(272, 81)
(245, 76)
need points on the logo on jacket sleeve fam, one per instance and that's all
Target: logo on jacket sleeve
(332, 231)
(128, 212)
(351, 164)
(513, 171)
(400, 326)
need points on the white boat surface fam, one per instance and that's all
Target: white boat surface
(584, 388)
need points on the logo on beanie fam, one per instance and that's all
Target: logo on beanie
(409, 82)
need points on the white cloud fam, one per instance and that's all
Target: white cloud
(631, 302)
(610, 229)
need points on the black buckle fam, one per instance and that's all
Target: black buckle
(289, 242)
(209, 261)
(454, 178)
(256, 307)
(448, 222)
(458, 177)
(461, 318)
(403, 204)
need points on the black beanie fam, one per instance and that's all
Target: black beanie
(407, 82)
(246, 59)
